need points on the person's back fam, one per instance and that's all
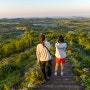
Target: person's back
(60, 50)
(60, 54)
(44, 57)
(42, 53)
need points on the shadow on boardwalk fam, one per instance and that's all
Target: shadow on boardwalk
(65, 82)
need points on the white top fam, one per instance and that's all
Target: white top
(42, 53)
(60, 50)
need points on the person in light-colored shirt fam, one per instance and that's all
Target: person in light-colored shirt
(42, 53)
(44, 58)
(60, 54)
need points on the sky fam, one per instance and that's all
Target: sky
(44, 8)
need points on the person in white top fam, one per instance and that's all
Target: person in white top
(60, 54)
(44, 58)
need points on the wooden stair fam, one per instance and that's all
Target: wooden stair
(59, 82)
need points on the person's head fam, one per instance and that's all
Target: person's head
(60, 39)
(42, 39)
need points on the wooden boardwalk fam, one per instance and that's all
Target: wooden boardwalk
(65, 82)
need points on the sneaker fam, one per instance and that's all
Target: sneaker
(55, 74)
(62, 74)
(48, 78)
(44, 81)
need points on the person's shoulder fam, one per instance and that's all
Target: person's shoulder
(38, 45)
(65, 44)
(47, 42)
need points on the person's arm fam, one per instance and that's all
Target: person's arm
(38, 53)
(48, 45)
(61, 46)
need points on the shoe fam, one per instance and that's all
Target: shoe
(62, 74)
(55, 74)
(44, 81)
(48, 78)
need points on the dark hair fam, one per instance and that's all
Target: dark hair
(60, 39)
(42, 39)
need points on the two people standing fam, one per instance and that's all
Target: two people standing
(44, 57)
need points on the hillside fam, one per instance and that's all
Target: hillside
(18, 40)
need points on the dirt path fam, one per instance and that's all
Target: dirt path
(65, 82)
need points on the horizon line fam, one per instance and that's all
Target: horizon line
(47, 17)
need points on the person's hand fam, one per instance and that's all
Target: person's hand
(38, 61)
